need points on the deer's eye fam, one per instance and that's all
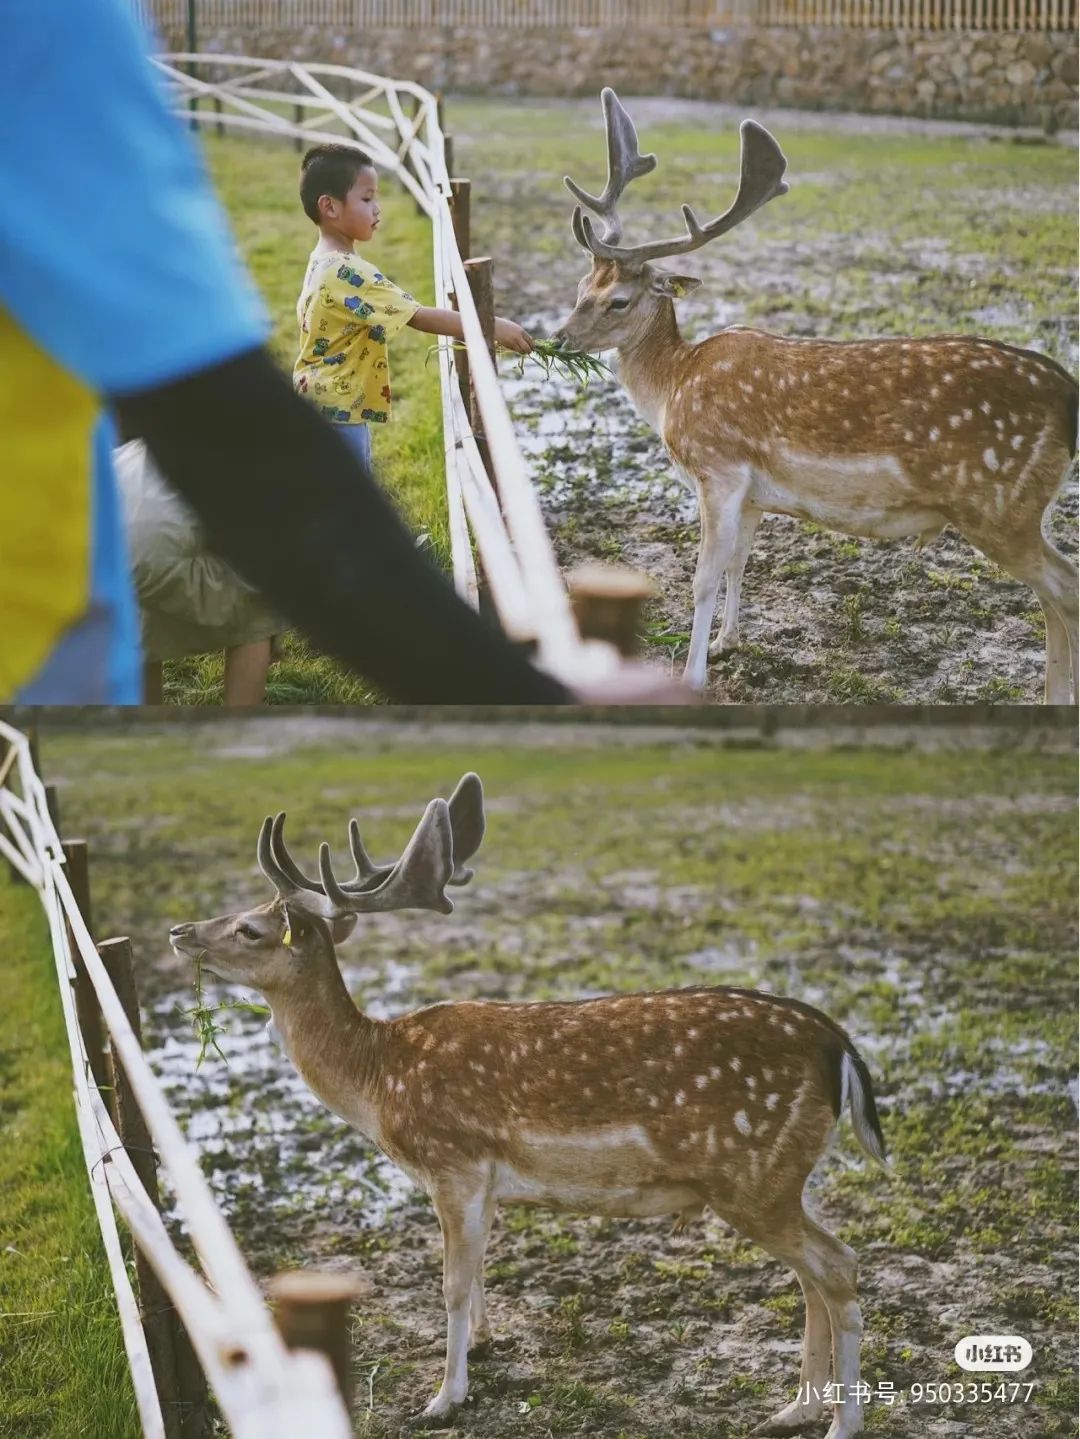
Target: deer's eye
(247, 931)
(618, 304)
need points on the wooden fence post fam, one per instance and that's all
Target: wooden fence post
(161, 1326)
(607, 601)
(77, 863)
(312, 1313)
(461, 216)
(217, 111)
(481, 277)
(298, 140)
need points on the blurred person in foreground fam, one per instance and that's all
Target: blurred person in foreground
(130, 294)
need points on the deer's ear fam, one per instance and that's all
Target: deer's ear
(342, 926)
(674, 287)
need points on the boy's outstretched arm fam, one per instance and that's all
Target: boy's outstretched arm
(432, 321)
(288, 504)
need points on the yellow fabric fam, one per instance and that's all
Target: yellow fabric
(47, 419)
(348, 313)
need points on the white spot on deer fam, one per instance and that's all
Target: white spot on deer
(742, 1122)
(771, 1101)
(935, 392)
(999, 496)
(1014, 419)
(710, 1140)
(701, 1080)
(751, 1082)
(729, 1143)
(990, 459)
(934, 435)
(679, 1050)
(1033, 378)
(680, 1098)
(735, 1064)
(766, 1075)
(947, 378)
(985, 406)
(956, 421)
(715, 1072)
(909, 437)
(968, 414)
(654, 1101)
(789, 1029)
(757, 374)
(1016, 441)
(692, 1033)
(806, 377)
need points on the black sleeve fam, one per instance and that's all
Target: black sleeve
(286, 502)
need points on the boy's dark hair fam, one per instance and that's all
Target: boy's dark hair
(329, 170)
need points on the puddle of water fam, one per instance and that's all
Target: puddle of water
(263, 1137)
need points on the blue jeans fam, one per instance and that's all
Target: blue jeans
(358, 439)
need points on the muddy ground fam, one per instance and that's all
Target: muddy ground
(890, 228)
(923, 896)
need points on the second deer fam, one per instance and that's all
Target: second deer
(883, 438)
(631, 1105)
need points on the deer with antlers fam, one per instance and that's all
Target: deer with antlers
(630, 1105)
(882, 438)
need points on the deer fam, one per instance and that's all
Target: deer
(885, 438)
(633, 1105)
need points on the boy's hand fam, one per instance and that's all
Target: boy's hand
(513, 337)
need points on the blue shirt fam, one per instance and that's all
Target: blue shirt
(117, 274)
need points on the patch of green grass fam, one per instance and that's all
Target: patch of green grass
(61, 1351)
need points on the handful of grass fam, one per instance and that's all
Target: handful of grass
(555, 356)
(204, 1017)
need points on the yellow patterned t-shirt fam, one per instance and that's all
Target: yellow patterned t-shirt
(348, 312)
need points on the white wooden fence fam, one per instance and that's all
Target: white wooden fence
(397, 123)
(173, 15)
(263, 1389)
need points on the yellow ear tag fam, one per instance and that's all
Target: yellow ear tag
(286, 938)
(678, 289)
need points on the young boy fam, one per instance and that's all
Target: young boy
(348, 312)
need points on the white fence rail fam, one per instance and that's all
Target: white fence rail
(397, 123)
(354, 15)
(263, 1389)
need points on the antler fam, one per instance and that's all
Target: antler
(762, 166)
(417, 881)
(625, 163)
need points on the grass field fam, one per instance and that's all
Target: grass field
(63, 1371)
(924, 897)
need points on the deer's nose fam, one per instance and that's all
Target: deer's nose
(181, 931)
(559, 337)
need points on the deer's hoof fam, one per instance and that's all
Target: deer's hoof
(791, 1420)
(723, 645)
(439, 1414)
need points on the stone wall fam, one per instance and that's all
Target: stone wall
(1013, 78)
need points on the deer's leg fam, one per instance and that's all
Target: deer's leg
(728, 638)
(831, 1266)
(465, 1218)
(808, 1406)
(1054, 580)
(722, 500)
(479, 1328)
(1056, 586)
